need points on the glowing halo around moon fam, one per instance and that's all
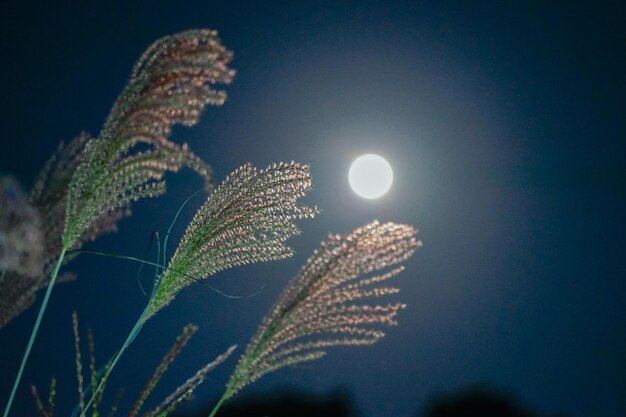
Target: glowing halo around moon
(370, 176)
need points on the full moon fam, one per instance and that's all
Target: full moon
(370, 176)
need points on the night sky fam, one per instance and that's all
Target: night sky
(505, 127)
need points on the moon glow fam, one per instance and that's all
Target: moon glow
(370, 176)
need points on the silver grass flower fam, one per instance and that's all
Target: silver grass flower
(323, 306)
(247, 219)
(171, 84)
(49, 196)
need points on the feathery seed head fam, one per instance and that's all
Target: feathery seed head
(171, 84)
(247, 219)
(186, 390)
(49, 195)
(322, 306)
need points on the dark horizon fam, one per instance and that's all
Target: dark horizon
(505, 127)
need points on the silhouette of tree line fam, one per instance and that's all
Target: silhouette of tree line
(471, 401)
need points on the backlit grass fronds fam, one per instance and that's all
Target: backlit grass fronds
(88, 184)
(78, 363)
(103, 186)
(171, 84)
(180, 394)
(48, 409)
(52, 393)
(49, 196)
(93, 373)
(21, 236)
(247, 219)
(95, 376)
(179, 344)
(186, 390)
(324, 305)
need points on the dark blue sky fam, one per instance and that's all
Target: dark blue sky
(505, 127)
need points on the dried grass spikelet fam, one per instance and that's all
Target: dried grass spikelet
(46, 410)
(322, 307)
(247, 219)
(181, 341)
(171, 84)
(186, 390)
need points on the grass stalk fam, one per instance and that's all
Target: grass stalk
(131, 337)
(33, 334)
(221, 401)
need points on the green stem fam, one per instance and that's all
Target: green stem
(131, 337)
(33, 334)
(220, 402)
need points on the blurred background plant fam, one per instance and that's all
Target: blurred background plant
(21, 250)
